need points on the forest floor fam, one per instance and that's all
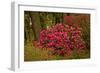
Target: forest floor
(37, 54)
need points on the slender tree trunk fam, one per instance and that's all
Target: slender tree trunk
(26, 27)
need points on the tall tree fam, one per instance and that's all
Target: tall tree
(42, 16)
(36, 27)
(27, 26)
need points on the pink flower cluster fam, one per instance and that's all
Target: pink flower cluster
(62, 38)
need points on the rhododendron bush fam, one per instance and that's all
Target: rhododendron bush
(63, 39)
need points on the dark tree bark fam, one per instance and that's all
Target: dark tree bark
(26, 27)
(36, 27)
(68, 14)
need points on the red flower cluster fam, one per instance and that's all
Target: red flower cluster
(62, 38)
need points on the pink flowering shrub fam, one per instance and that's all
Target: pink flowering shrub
(62, 38)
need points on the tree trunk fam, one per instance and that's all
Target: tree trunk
(36, 27)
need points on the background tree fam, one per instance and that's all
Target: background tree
(27, 27)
